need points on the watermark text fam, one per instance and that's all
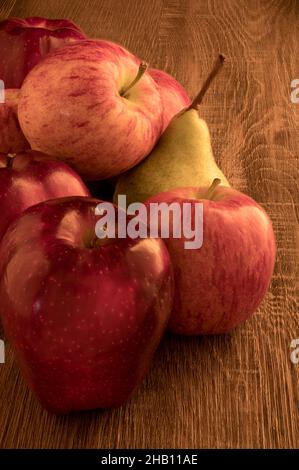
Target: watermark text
(295, 91)
(2, 351)
(2, 92)
(155, 220)
(294, 356)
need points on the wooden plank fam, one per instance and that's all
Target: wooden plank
(6, 7)
(238, 390)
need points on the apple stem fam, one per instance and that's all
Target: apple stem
(142, 68)
(217, 66)
(212, 188)
(10, 159)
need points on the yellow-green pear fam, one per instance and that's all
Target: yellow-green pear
(182, 157)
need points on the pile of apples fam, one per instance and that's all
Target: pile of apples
(85, 315)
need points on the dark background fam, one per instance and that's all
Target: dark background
(238, 390)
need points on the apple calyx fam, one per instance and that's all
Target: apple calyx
(199, 97)
(10, 159)
(211, 189)
(142, 68)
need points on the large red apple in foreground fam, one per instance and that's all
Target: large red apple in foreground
(84, 315)
(221, 284)
(25, 41)
(83, 105)
(27, 179)
(12, 138)
(173, 94)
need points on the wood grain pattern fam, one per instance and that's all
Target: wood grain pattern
(238, 390)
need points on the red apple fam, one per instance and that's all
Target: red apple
(174, 96)
(221, 284)
(24, 42)
(27, 179)
(79, 105)
(84, 315)
(12, 138)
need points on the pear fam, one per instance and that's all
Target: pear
(183, 156)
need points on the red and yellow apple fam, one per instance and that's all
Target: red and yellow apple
(79, 105)
(221, 284)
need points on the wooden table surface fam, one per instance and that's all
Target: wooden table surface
(241, 389)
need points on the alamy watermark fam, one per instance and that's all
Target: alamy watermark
(2, 351)
(294, 356)
(154, 220)
(295, 91)
(2, 92)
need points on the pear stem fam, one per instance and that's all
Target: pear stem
(217, 66)
(10, 159)
(212, 188)
(142, 68)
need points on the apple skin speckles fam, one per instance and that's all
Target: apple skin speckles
(221, 284)
(84, 321)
